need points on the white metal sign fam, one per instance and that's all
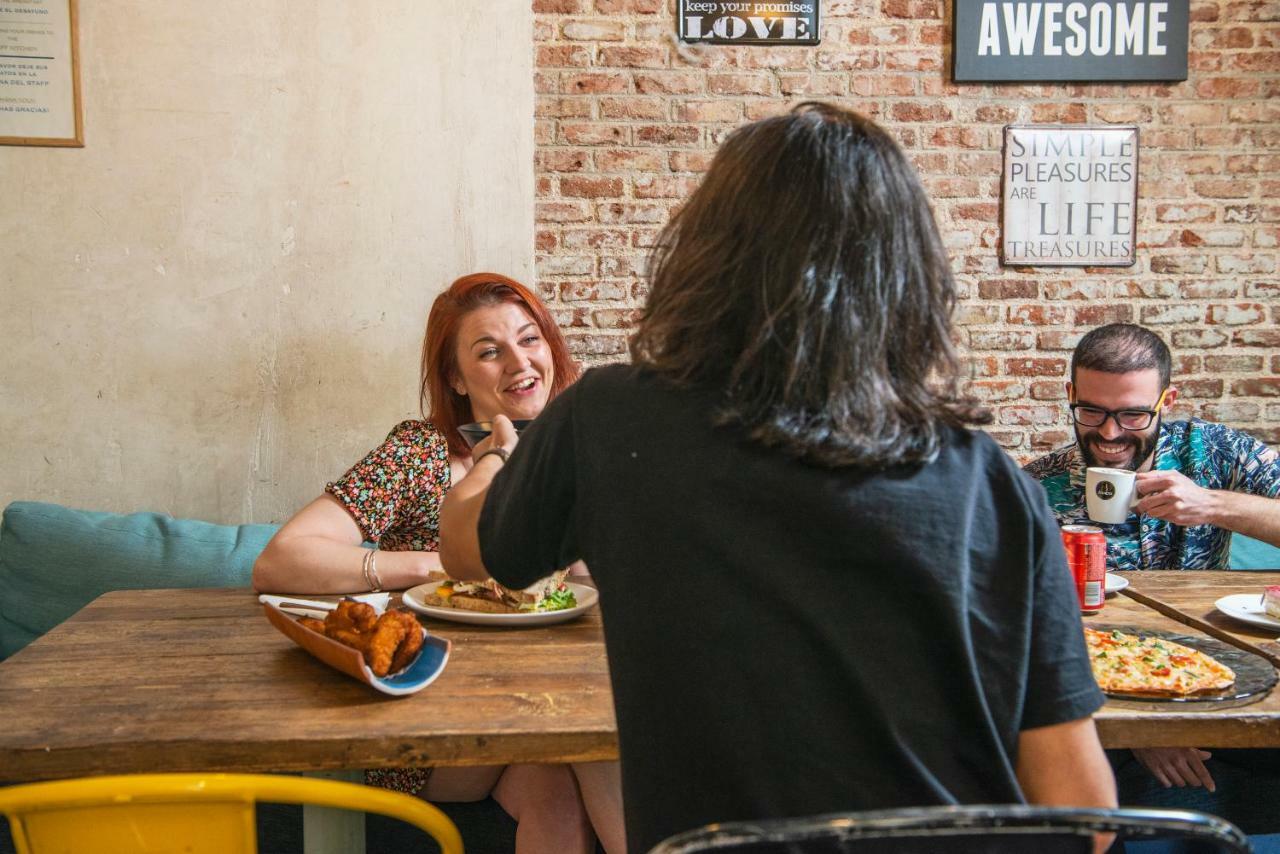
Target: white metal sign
(1069, 195)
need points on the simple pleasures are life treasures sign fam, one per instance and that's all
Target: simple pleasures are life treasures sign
(1069, 195)
(780, 22)
(1002, 40)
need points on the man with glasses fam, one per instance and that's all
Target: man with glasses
(1197, 481)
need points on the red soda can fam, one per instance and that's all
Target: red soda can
(1087, 556)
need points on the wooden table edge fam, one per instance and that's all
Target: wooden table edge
(29, 764)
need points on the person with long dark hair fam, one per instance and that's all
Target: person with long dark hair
(491, 349)
(821, 590)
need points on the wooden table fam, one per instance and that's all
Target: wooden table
(182, 680)
(198, 680)
(1193, 594)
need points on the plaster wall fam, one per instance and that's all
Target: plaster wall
(217, 304)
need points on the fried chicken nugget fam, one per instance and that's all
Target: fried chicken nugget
(339, 618)
(350, 637)
(350, 622)
(351, 614)
(313, 624)
(340, 624)
(408, 649)
(387, 634)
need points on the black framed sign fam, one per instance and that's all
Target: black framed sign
(1069, 195)
(772, 22)
(1087, 40)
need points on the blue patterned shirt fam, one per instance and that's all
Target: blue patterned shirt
(1213, 456)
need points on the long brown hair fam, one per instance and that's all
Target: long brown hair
(440, 404)
(806, 279)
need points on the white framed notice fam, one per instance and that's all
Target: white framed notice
(1069, 196)
(39, 73)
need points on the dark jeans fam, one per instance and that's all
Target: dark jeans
(1248, 788)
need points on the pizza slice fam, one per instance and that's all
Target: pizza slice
(1133, 664)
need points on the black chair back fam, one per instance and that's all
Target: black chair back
(962, 829)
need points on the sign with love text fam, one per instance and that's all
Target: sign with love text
(773, 22)
(1069, 195)
(1086, 40)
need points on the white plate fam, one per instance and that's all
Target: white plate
(1116, 582)
(1248, 608)
(586, 596)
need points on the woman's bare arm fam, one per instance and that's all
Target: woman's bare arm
(319, 551)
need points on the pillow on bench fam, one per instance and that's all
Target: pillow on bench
(55, 560)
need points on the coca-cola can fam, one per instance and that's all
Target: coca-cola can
(1087, 556)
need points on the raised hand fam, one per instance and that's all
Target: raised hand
(1173, 497)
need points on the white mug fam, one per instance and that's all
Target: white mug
(1109, 494)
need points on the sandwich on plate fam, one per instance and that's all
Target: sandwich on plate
(549, 594)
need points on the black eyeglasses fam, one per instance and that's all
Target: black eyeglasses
(1126, 419)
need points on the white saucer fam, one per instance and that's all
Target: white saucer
(1247, 607)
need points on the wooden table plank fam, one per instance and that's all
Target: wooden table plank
(1194, 592)
(177, 680)
(1254, 725)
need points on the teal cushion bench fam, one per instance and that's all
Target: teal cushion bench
(55, 560)
(1248, 553)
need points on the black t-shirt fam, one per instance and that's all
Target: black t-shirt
(786, 639)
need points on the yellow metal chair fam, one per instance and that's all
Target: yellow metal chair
(192, 813)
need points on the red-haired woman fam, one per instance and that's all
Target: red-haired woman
(491, 348)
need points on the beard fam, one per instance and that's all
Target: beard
(1141, 447)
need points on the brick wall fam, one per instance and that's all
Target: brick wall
(627, 120)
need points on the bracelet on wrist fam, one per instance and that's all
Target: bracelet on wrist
(369, 569)
(501, 453)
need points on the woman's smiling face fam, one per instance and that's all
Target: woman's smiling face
(504, 364)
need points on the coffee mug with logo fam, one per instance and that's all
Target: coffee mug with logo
(1109, 494)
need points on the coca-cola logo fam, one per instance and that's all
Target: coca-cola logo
(1105, 490)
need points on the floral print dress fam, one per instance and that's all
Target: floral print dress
(394, 493)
